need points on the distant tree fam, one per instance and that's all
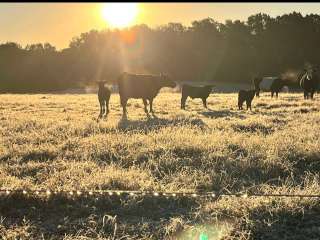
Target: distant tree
(233, 51)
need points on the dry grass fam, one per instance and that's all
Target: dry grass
(54, 141)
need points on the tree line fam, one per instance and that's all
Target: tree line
(234, 51)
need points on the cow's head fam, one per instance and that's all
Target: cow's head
(166, 81)
(309, 73)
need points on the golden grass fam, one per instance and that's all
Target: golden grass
(54, 141)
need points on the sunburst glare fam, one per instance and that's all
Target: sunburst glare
(120, 14)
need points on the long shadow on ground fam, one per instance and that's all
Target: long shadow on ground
(221, 114)
(110, 217)
(155, 123)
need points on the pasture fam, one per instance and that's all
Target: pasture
(54, 141)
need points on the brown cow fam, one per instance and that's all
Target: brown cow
(142, 86)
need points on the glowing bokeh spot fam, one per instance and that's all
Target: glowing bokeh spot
(205, 231)
(203, 237)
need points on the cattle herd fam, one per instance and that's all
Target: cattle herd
(147, 88)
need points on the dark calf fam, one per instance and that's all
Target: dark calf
(245, 96)
(276, 86)
(195, 92)
(103, 96)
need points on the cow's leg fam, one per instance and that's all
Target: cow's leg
(150, 102)
(104, 106)
(277, 94)
(204, 100)
(305, 94)
(183, 101)
(145, 103)
(124, 105)
(100, 114)
(272, 94)
(240, 104)
(101, 108)
(107, 106)
(311, 94)
(100, 105)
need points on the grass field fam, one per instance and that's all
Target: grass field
(54, 141)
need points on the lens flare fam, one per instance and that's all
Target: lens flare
(120, 14)
(205, 231)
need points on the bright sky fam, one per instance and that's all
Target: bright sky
(57, 23)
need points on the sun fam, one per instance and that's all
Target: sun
(120, 14)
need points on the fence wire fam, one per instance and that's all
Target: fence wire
(50, 192)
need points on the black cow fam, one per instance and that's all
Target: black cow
(141, 86)
(103, 96)
(272, 84)
(195, 92)
(245, 96)
(309, 82)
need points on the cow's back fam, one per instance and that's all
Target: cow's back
(195, 92)
(137, 86)
(242, 95)
(186, 89)
(265, 84)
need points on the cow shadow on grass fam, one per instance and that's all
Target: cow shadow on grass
(154, 123)
(222, 114)
(91, 216)
(34, 155)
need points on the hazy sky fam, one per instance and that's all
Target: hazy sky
(57, 23)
